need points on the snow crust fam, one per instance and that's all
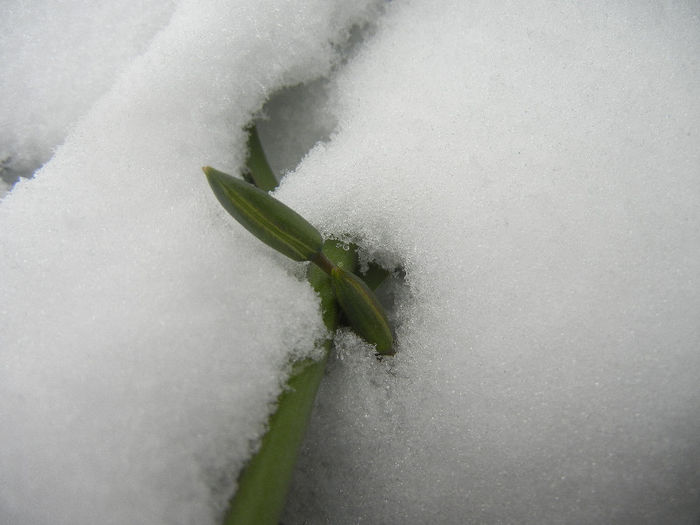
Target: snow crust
(534, 168)
(145, 335)
(57, 59)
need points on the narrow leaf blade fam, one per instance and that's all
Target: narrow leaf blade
(363, 310)
(264, 482)
(259, 169)
(271, 221)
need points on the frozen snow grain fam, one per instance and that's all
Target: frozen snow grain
(56, 59)
(536, 168)
(145, 336)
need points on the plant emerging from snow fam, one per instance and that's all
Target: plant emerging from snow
(264, 481)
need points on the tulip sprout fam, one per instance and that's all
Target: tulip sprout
(283, 229)
(264, 481)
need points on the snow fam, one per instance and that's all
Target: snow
(533, 167)
(536, 169)
(57, 59)
(144, 335)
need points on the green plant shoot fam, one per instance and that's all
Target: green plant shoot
(362, 309)
(285, 230)
(271, 221)
(264, 481)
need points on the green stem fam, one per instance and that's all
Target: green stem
(264, 482)
(323, 262)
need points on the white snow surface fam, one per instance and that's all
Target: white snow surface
(533, 166)
(57, 58)
(146, 335)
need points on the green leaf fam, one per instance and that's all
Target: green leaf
(362, 309)
(374, 276)
(271, 221)
(258, 168)
(337, 254)
(264, 483)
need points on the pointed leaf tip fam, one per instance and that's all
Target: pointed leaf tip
(363, 310)
(271, 221)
